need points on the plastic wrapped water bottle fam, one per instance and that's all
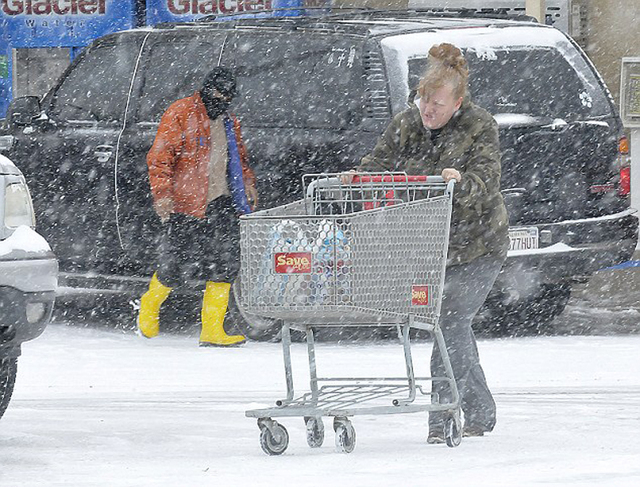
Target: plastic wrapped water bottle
(286, 264)
(332, 265)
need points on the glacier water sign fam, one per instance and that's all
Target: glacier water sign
(63, 23)
(187, 10)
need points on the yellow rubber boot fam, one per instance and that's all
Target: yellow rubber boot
(150, 302)
(214, 307)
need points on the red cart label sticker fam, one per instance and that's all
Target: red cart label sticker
(293, 262)
(419, 295)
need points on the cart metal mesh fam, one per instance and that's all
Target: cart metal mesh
(369, 252)
(372, 251)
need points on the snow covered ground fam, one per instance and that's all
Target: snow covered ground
(104, 407)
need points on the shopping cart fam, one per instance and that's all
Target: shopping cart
(372, 252)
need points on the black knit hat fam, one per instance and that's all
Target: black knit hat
(222, 79)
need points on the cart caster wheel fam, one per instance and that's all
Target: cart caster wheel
(315, 432)
(274, 438)
(453, 431)
(345, 435)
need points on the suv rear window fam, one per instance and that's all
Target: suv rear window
(548, 78)
(537, 82)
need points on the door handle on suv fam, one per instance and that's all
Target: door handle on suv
(513, 192)
(103, 152)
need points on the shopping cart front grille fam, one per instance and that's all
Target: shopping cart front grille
(377, 264)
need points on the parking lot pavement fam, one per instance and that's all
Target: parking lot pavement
(99, 407)
(609, 303)
(617, 286)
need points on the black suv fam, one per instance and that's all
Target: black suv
(315, 94)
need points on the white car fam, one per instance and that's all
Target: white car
(28, 275)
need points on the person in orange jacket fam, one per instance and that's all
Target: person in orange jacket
(201, 182)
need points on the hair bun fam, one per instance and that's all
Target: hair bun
(446, 65)
(449, 55)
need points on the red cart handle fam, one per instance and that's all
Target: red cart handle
(390, 194)
(395, 178)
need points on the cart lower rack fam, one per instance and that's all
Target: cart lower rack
(371, 252)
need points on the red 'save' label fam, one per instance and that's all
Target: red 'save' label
(292, 262)
(419, 295)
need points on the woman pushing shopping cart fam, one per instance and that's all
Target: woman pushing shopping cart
(443, 133)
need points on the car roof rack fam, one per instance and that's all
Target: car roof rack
(319, 14)
(348, 12)
(481, 13)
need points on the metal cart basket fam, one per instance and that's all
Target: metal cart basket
(371, 252)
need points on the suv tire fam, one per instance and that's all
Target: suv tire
(252, 326)
(8, 371)
(530, 316)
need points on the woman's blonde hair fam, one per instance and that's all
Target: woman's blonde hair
(447, 66)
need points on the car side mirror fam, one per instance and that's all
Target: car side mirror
(23, 110)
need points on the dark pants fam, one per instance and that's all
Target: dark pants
(201, 249)
(466, 288)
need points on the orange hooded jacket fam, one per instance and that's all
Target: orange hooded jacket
(178, 161)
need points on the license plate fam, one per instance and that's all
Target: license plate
(523, 238)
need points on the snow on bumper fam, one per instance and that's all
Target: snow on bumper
(28, 282)
(27, 262)
(29, 275)
(579, 248)
(604, 241)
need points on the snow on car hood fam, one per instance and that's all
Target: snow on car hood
(25, 239)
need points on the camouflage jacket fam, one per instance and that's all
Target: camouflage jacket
(468, 143)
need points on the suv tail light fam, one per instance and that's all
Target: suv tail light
(624, 189)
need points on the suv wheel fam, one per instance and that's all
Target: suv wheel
(8, 370)
(252, 326)
(532, 315)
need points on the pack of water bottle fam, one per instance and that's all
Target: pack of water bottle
(332, 264)
(306, 263)
(285, 265)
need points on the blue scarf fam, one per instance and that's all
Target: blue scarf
(234, 170)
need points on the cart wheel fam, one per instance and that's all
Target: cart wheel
(345, 435)
(315, 432)
(274, 438)
(453, 431)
